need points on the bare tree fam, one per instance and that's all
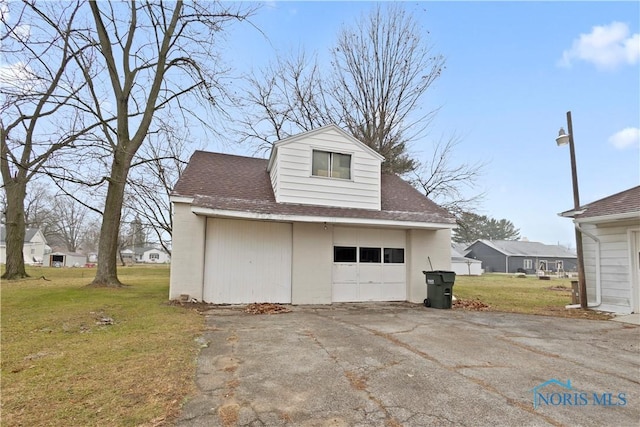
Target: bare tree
(284, 98)
(444, 181)
(158, 56)
(152, 179)
(40, 102)
(68, 223)
(381, 70)
(37, 207)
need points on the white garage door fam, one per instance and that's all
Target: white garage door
(247, 262)
(369, 265)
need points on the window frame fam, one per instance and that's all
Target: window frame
(381, 252)
(384, 255)
(527, 264)
(331, 162)
(355, 253)
(370, 249)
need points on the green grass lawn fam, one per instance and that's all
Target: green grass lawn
(504, 292)
(64, 364)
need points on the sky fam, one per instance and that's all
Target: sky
(513, 70)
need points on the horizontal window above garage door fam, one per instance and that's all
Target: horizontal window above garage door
(352, 254)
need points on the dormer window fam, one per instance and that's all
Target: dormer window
(333, 165)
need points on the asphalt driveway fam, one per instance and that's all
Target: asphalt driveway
(405, 365)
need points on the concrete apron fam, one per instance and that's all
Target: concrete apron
(632, 319)
(403, 364)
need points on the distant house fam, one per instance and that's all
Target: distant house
(513, 256)
(152, 254)
(34, 247)
(611, 248)
(145, 254)
(64, 259)
(463, 265)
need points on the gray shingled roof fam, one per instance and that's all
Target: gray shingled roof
(236, 183)
(524, 248)
(625, 202)
(29, 233)
(458, 256)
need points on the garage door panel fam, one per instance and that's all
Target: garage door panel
(345, 292)
(370, 273)
(247, 261)
(371, 291)
(394, 292)
(394, 273)
(369, 281)
(345, 273)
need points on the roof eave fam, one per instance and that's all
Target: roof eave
(176, 198)
(610, 218)
(571, 213)
(319, 219)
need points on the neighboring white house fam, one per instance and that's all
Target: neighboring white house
(152, 254)
(464, 266)
(34, 247)
(316, 223)
(64, 259)
(611, 248)
(145, 254)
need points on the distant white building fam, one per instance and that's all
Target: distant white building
(145, 254)
(152, 255)
(464, 266)
(34, 247)
(64, 259)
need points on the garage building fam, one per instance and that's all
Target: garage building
(315, 223)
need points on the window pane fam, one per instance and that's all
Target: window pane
(341, 167)
(393, 255)
(370, 255)
(320, 164)
(344, 254)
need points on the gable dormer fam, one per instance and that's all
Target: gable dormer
(326, 167)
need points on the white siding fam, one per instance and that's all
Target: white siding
(293, 183)
(273, 175)
(187, 242)
(422, 246)
(312, 259)
(163, 257)
(615, 265)
(247, 262)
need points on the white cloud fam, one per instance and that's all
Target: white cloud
(627, 137)
(607, 47)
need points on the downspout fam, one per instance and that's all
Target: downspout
(598, 278)
(506, 264)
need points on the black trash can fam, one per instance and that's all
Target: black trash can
(439, 288)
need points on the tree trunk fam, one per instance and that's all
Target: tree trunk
(16, 191)
(107, 271)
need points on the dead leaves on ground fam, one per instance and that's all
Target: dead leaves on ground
(476, 305)
(266, 308)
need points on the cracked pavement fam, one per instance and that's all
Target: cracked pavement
(400, 364)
